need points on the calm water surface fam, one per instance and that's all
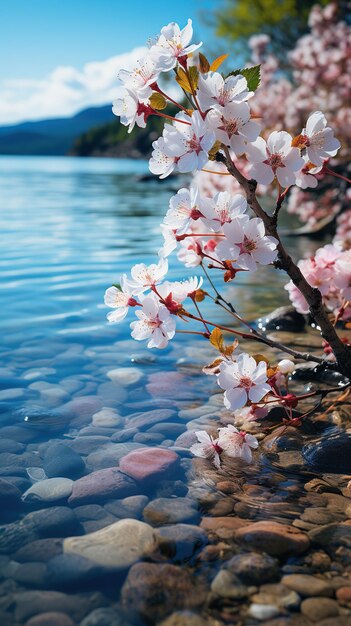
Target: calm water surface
(69, 228)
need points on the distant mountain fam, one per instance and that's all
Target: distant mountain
(53, 136)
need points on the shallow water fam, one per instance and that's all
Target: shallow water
(69, 227)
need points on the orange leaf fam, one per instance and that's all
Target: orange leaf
(218, 62)
(216, 338)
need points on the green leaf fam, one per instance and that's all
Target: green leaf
(117, 285)
(252, 75)
(157, 101)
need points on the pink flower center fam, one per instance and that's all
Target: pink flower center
(275, 161)
(248, 245)
(230, 127)
(245, 382)
(194, 145)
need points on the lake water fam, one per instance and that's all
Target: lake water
(69, 381)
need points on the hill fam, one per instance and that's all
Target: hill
(52, 136)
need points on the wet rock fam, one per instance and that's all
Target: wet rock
(125, 376)
(30, 603)
(32, 575)
(152, 591)
(274, 538)
(107, 418)
(58, 521)
(9, 445)
(104, 617)
(253, 568)
(10, 496)
(60, 460)
(40, 550)
(117, 546)
(148, 438)
(183, 618)
(80, 407)
(277, 595)
(263, 612)
(331, 453)
(227, 585)
(331, 535)
(185, 440)
(49, 490)
(53, 618)
(148, 418)
(149, 463)
(112, 394)
(317, 609)
(186, 539)
(284, 318)
(343, 595)
(102, 485)
(109, 455)
(87, 444)
(131, 507)
(307, 585)
(67, 571)
(223, 527)
(318, 515)
(171, 511)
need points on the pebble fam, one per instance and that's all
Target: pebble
(184, 618)
(112, 394)
(263, 612)
(32, 575)
(253, 568)
(117, 546)
(125, 376)
(49, 490)
(29, 603)
(148, 418)
(171, 511)
(10, 495)
(109, 455)
(102, 485)
(317, 609)
(307, 585)
(87, 444)
(187, 539)
(53, 395)
(152, 591)
(66, 571)
(81, 407)
(227, 585)
(107, 418)
(223, 527)
(61, 461)
(131, 507)
(149, 463)
(331, 453)
(40, 550)
(53, 618)
(278, 595)
(9, 445)
(276, 539)
(36, 474)
(11, 394)
(343, 595)
(104, 617)
(284, 318)
(331, 535)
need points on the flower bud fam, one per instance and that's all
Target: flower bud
(286, 366)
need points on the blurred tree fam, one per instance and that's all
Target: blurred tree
(283, 20)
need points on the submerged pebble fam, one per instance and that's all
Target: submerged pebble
(49, 490)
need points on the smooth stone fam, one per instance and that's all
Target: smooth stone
(117, 546)
(331, 535)
(331, 453)
(18, 433)
(102, 485)
(104, 617)
(187, 539)
(317, 609)
(111, 394)
(284, 318)
(223, 527)
(32, 575)
(186, 440)
(125, 376)
(263, 612)
(40, 550)
(148, 418)
(152, 591)
(149, 463)
(61, 461)
(274, 538)
(307, 585)
(52, 618)
(253, 568)
(169, 429)
(57, 521)
(183, 618)
(90, 512)
(9, 445)
(148, 438)
(69, 570)
(343, 595)
(86, 445)
(53, 394)
(164, 511)
(36, 474)
(125, 435)
(130, 507)
(110, 454)
(317, 515)
(10, 495)
(227, 585)
(107, 418)
(82, 407)
(11, 394)
(278, 595)
(29, 603)
(49, 490)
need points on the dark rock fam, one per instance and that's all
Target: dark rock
(143, 421)
(153, 591)
(253, 568)
(29, 603)
(10, 496)
(284, 318)
(105, 617)
(184, 618)
(9, 445)
(171, 511)
(102, 485)
(67, 571)
(58, 521)
(331, 535)
(61, 461)
(331, 453)
(53, 618)
(31, 575)
(186, 539)
(40, 551)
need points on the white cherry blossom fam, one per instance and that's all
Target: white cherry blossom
(246, 244)
(236, 443)
(305, 176)
(275, 158)
(185, 207)
(146, 276)
(318, 139)
(188, 142)
(171, 45)
(155, 323)
(140, 78)
(214, 90)
(207, 448)
(189, 252)
(161, 164)
(130, 111)
(169, 241)
(233, 126)
(119, 299)
(243, 380)
(223, 208)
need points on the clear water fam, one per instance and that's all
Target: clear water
(69, 228)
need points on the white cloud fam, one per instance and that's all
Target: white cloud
(65, 91)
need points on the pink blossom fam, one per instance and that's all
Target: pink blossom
(207, 448)
(275, 159)
(237, 444)
(155, 323)
(243, 380)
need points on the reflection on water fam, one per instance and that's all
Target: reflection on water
(77, 395)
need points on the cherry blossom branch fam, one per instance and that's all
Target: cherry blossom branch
(311, 294)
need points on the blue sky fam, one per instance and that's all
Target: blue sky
(45, 40)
